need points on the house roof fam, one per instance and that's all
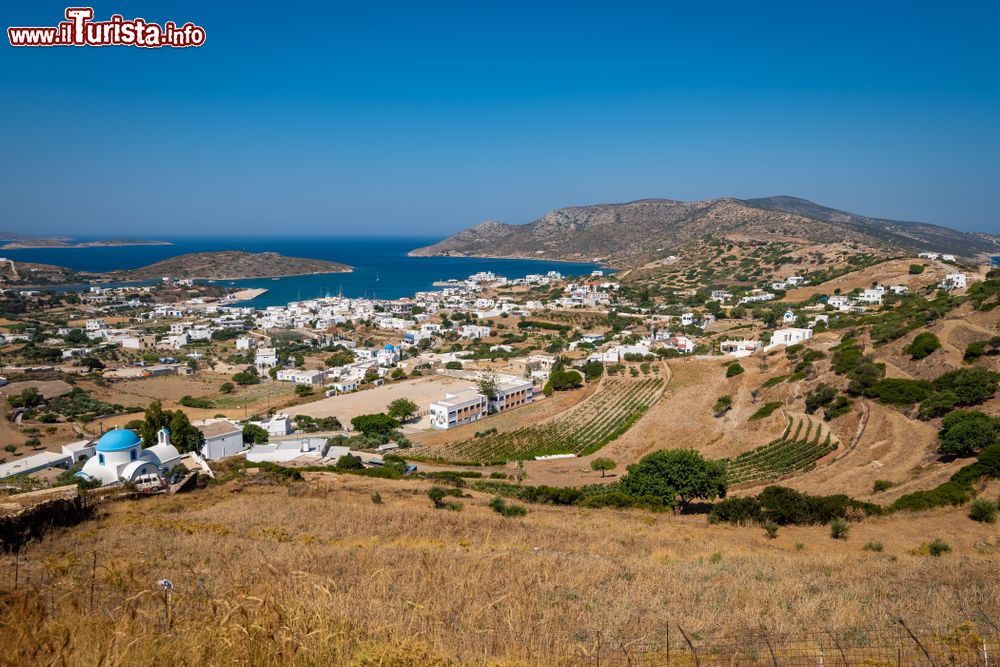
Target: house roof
(218, 428)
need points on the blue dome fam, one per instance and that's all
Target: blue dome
(117, 440)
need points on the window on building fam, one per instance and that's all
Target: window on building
(133, 455)
(100, 459)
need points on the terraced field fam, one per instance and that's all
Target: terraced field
(611, 411)
(795, 451)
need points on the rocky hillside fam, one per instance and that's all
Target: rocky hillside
(910, 235)
(232, 264)
(641, 231)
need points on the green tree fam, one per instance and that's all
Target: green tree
(378, 423)
(676, 477)
(487, 384)
(916, 269)
(603, 464)
(183, 435)
(254, 435)
(562, 380)
(303, 390)
(733, 369)
(965, 432)
(819, 397)
(402, 409)
(340, 358)
(28, 398)
(227, 388)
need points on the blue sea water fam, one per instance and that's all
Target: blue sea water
(382, 268)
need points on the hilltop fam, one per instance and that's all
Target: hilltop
(231, 264)
(631, 234)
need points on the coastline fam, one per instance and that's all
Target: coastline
(76, 246)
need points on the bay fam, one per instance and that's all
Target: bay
(382, 268)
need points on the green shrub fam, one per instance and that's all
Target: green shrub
(778, 379)
(819, 397)
(938, 547)
(376, 499)
(973, 351)
(989, 460)
(722, 405)
(971, 386)
(771, 529)
(873, 546)
(881, 485)
(899, 391)
(192, 402)
(983, 511)
(503, 508)
(785, 506)
(846, 359)
(734, 369)
(922, 345)
(765, 410)
(916, 269)
(840, 406)
(939, 404)
(839, 529)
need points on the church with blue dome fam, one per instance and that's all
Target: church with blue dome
(119, 456)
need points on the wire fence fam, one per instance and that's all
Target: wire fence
(897, 646)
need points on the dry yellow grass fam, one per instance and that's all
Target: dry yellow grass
(265, 577)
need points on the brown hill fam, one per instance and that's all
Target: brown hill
(641, 231)
(230, 264)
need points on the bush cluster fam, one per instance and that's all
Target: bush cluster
(784, 506)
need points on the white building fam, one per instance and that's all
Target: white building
(789, 336)
(459, 408)
(308, 378)
(266, 357)
(739, 348)
(954, 281)
(512, 394)
(121, 457)
(245, 343)
(279, 424)
(222, 438)
(474, 331)
(289, 450)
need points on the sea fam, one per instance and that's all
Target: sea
(382, 268)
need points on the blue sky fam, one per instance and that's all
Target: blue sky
(425, 118)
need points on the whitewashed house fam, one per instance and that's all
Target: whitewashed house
(789, 336)
(222, 438)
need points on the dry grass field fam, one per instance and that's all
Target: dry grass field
(264, 576)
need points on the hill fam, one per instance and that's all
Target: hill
(634, 233)
(232, 264)
(909, 235)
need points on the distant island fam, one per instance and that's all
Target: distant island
(223, 265)
(16, 241)
(231, 265)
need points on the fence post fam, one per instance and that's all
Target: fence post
(840, 649)
(694, 652)
(767, 640)
(914, 638)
